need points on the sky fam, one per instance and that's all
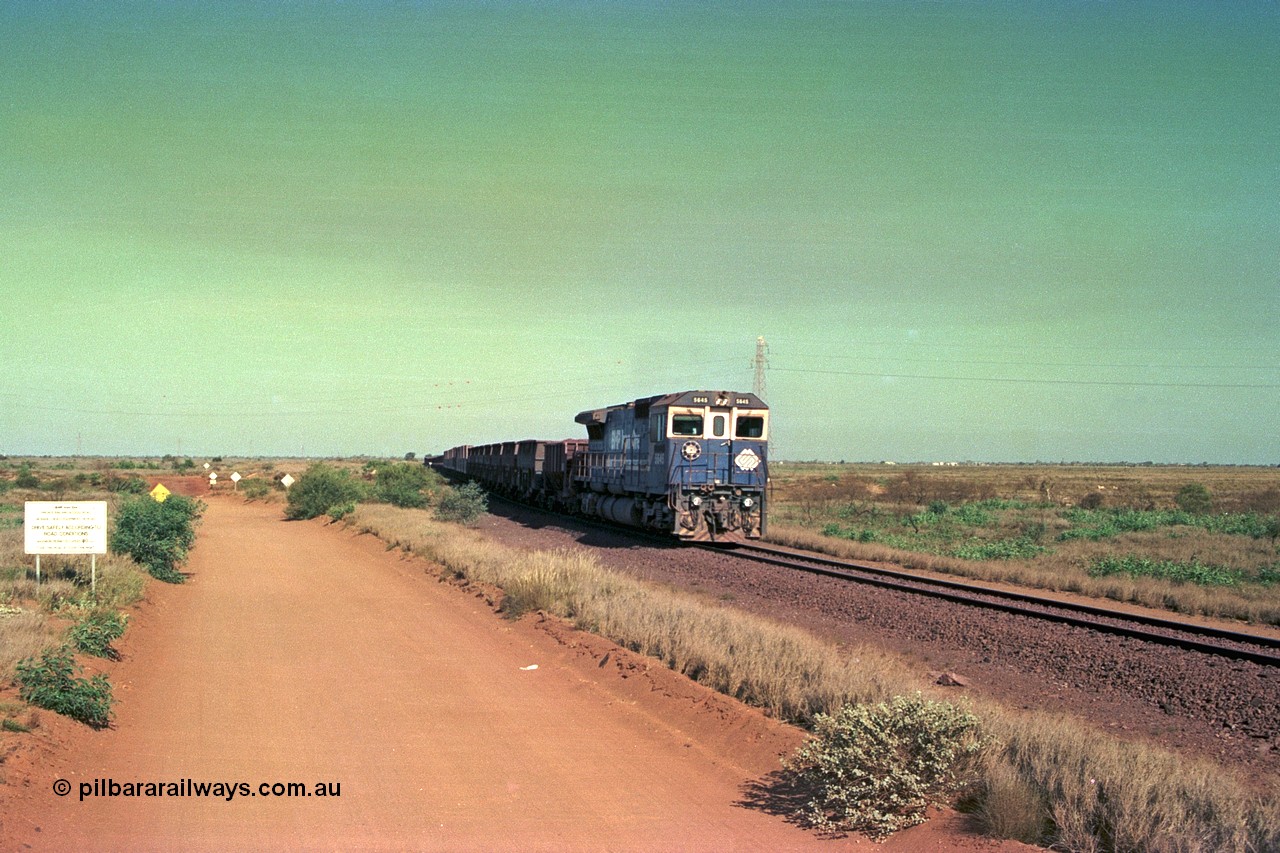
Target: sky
(989, 231)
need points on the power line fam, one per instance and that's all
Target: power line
(1028, 381)
(483, 396)
(1254, 351)
(843, 357)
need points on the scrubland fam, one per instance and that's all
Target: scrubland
(1044, 779)
(34, 616)
(1188, 539)
(45, 622)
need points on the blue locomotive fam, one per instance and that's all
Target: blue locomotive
(694, 464)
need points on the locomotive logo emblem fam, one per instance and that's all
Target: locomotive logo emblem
(691, 450)
(747, 460)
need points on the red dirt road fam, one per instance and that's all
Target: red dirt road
(302, 653)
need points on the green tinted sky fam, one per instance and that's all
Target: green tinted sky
(1003, 231)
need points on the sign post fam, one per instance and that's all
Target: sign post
(66, 527)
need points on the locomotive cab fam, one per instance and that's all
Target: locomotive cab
(693, 464)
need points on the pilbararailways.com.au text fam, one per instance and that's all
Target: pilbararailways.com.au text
(191, 788)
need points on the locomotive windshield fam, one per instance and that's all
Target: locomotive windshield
(749, 426)
(686, 424)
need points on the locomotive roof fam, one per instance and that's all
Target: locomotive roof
(680, 398)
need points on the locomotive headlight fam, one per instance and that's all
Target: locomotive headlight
(748, 503)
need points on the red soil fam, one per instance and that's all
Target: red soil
(301, 652)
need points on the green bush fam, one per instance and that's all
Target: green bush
(26, 479)
(1194, 498)
(1194, 571)
(1022, 548)
(464, 504)
(127, 485)
(254, 488)
(157, 535)
(403, 485)
(973, 515)
(321, 488)
(877, 768)
(51, 683)
(95, 634)
(337, 512)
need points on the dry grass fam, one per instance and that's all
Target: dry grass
(23, 634)
(1104, 794)
(778, 668)
(1064, 573)
(64, 591)
(808, 497)
(1235, 489)
(1052, 780)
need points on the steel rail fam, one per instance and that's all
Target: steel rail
(1024, 604)
(1135, 625)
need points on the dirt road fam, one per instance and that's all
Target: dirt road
(303, 653)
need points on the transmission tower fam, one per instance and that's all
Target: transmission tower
(761, 362)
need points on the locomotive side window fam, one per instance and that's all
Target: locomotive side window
(686, 425)
(750, 426)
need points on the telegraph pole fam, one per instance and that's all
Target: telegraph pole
(761, 361)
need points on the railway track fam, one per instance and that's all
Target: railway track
(1195, 689)
(1207, 639)
(1233, 645)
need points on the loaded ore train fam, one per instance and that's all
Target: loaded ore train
(693, 464)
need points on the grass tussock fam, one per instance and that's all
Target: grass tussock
(1044, 779)
(1086, 792)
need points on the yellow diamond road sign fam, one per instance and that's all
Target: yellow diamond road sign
(159, 493)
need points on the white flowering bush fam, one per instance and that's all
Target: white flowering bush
(877, 768)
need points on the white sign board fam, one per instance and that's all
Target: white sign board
(235, 477)
(65, 527)
(287, 480)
